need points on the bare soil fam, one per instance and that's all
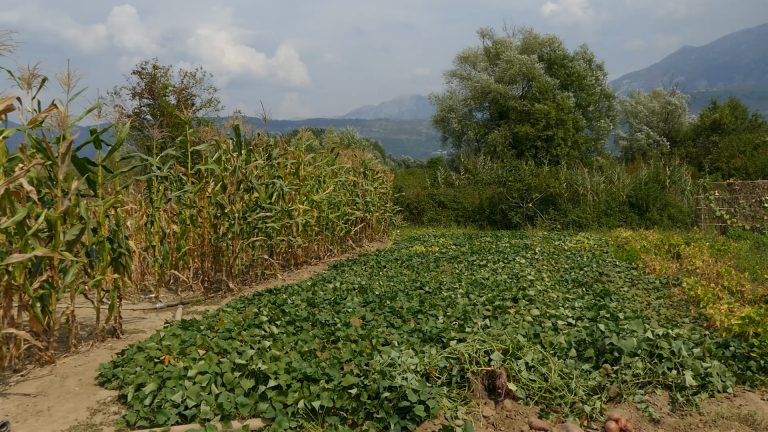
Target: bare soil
(742, 411)
(65, 397)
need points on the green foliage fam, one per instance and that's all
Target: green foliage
(400, 138)
(392, 338)
(525, 95)
(652, 124)
(346, 138)
(163, 103)
(207, 211)
(514, 194)
(62, 238)
(725, 276)
(255, 205)
(730, 142)
(733, 205)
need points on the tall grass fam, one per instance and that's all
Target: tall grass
(253, 206)
(60, 229)
(514, 194)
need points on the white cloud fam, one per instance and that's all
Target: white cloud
(123, 29)
(128, 32)
(292, 106)
(226, 57)
(568, 10)
(86, 37)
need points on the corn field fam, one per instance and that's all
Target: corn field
(205, 214)
(251, 207)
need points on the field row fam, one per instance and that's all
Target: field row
(390, 339)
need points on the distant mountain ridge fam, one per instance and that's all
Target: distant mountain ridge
(402, 125)
(413, 138)
(81, 134)
(408, 107)
(400, 138)
(733, 65)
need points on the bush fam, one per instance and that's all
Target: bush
(515, 194)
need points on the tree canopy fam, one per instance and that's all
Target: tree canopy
(652, 124)
(163, 103)
(524, 95)
(730, 142)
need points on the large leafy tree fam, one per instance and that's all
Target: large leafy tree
(163, 103)
(652, 124)
(730, 142)
(524, 95)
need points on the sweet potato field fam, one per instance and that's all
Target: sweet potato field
(390, 339)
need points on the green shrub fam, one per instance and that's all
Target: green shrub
(515, 194)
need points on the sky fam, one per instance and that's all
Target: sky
(315, 58)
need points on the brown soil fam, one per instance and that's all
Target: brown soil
(65, 397)
(743, 411)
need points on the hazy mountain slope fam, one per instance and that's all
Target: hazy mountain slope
(81, 135)
(734, 65)
(414, 138)
(409, 107)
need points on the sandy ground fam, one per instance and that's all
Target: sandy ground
(742, 411)
(65, 397)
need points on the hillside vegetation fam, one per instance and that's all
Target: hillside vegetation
(416, 139)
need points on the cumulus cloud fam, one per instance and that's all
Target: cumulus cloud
(86, 37)
(128, 32)
(220, 51)
(568, 10)
(122, 29)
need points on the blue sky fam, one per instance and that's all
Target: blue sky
(326, 57)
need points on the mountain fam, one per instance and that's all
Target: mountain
(400, 138)
(413, 138)
(81, 134)
(734, 65)
(409, 107)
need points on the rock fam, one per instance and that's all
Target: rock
(567, 427)
(612, 426)
(538, 425)
(488, 411)
(613, 391)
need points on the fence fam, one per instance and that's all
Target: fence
(733, 204)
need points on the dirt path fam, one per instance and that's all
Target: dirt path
(65, 397)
